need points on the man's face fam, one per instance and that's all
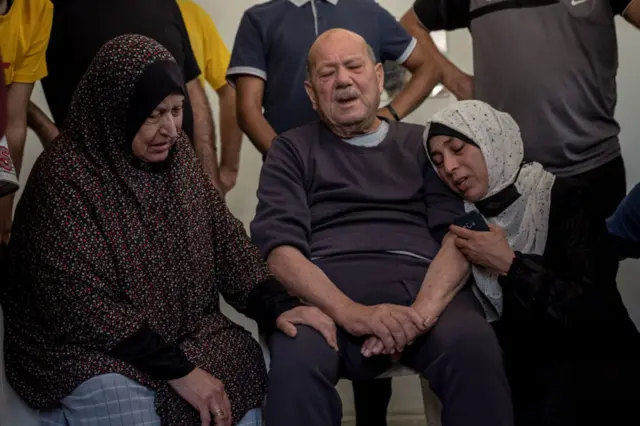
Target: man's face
(345, 84)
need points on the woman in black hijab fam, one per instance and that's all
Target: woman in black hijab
(120, 251)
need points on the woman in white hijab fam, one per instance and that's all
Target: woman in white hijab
(544, 271)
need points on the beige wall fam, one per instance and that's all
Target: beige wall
(242, 200)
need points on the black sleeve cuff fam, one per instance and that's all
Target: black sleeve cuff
(147, 351)
(619, 6)
(438, 15)
(267, 301)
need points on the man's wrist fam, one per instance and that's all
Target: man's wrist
(343, 313)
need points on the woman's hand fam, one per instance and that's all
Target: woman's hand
(489, 249)
(206, 394)
(312, 317)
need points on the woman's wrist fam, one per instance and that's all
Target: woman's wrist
(507, 261)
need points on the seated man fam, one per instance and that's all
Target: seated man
(350, 216)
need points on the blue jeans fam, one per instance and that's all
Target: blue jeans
(115, 400)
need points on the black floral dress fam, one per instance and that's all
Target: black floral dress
(104, 248)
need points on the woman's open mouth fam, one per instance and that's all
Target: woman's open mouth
(462, 184)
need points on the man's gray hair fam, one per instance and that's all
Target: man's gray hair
(370, 53)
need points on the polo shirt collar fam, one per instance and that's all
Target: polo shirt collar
(303, 2)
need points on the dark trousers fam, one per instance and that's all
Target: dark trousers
(460, 356)
(607, 186)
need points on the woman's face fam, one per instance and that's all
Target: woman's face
(159, 131)
(461, 166)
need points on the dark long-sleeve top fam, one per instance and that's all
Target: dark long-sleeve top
(147, 351)
(567, 296)
(327, 197)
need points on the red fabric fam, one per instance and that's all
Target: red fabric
(3, 102)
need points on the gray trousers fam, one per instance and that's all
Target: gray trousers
(460, 357)
(114, 400)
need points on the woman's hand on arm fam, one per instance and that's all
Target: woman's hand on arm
(489, 249)
(312, 317)
(207, 395)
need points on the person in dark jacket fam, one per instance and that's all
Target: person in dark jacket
(545, 270)
(122, 248)
(624, 225)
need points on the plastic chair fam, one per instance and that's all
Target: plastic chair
(13, 411)
(432, 405)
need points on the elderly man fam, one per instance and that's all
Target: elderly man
(350, 215)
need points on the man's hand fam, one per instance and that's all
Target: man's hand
(489, 249)
(206, 394)
(312, 317)
(374, 346)
(227, 177)
(394, 325)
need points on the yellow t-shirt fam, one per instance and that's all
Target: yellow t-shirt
(212, 55)
(24, 37)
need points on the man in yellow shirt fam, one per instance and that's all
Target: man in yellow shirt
(213, 59)
(24, 35)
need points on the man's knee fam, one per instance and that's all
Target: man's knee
(307, 354)
(472, 340)
(467, 343)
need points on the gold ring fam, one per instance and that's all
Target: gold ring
(219, 413)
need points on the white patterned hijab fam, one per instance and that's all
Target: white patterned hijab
(526, 220)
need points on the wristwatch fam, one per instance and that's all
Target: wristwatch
(393, 112)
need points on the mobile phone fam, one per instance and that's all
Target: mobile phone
(472, 220)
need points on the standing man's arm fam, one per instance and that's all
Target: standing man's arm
(31, 68)
(230, 138)
(204, 135)
(204, 131)
(250, 117)
(248, 72)
(434, 15)
(397, 45)
(40, 123)
(18, 97)
(632, 13)
(216, 62)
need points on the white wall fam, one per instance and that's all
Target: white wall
(242, 200)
